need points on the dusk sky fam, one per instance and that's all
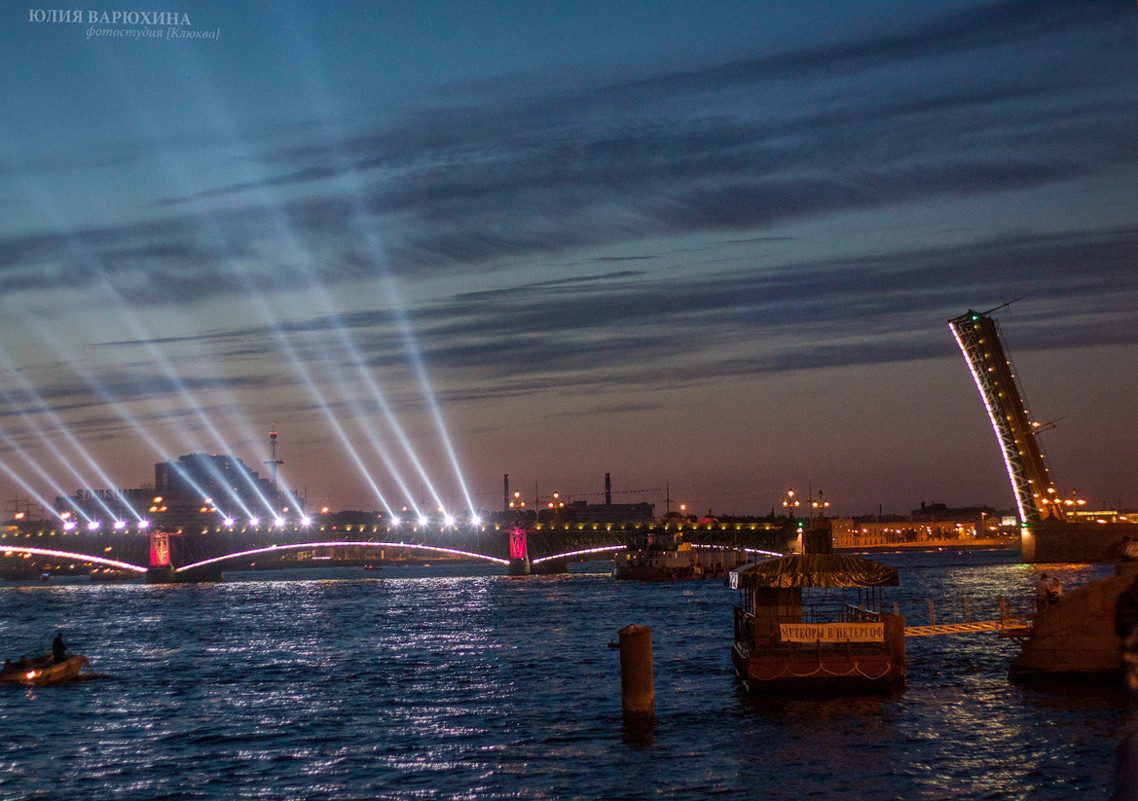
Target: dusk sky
(709, 246)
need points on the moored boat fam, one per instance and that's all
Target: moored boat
(663, 555)
(813, 624)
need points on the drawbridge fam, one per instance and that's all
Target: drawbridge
(979, 339)
(1049, 532)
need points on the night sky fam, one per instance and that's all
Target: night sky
(705, 246)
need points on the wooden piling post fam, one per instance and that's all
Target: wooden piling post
(637, 690)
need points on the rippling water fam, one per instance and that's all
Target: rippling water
(418, 683)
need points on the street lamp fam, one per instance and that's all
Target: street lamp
(790, 503)
(821, 505)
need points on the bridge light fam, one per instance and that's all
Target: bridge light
(142, 524)
(69, 525)
(66, 515)
(120, 525)
(475, 520)
(306, 521)
(254, 521)
(93, 525)
(423, 520)
(395, 521)
(448, 521)
(229, 521)
(280, 522)
(158, 499)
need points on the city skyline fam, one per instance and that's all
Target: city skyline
(712, 247)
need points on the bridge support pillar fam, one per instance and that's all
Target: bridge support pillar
(160, 570)
(519, 555)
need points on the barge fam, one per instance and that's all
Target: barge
(663, 555)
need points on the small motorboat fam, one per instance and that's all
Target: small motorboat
(43, 670)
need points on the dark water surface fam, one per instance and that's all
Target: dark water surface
(454, 683)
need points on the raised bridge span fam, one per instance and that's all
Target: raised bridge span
(204, 554)
(1051, 528)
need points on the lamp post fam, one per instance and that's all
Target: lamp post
(556, 505)
(821, 505)
(790, 503)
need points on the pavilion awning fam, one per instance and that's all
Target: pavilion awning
(814, 570)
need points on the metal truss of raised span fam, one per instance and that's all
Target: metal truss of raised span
(979, 340)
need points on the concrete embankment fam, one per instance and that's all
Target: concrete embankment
(1077, 637)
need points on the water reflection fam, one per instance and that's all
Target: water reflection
(481, 687)
(639, 732)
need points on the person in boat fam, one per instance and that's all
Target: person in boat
(58, 649)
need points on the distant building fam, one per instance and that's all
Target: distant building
(196, 489)
(854, 534)
(940, 511)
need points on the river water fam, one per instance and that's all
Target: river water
(456, 682)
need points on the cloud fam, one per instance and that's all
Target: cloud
(70, 392)
(741, 147)
(732, 147)
(615, 331)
